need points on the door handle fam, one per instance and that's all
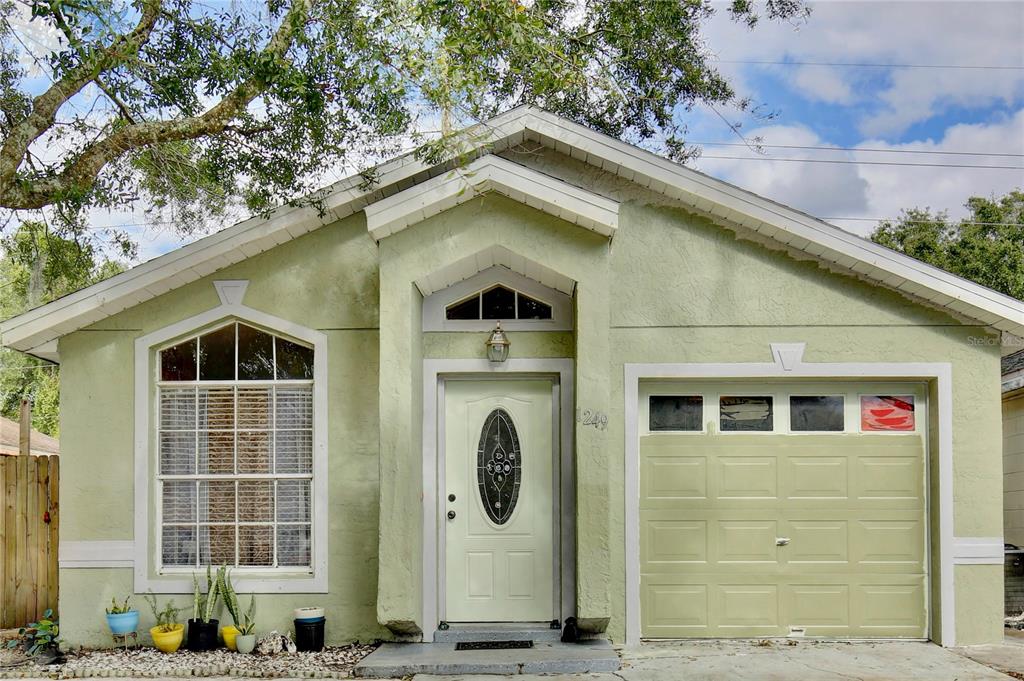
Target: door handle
(451, 515)
(781, 541)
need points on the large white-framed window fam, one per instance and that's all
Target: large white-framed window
(240, 429)
(235, 450)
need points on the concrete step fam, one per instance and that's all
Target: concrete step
(397, 660)
(497, 632)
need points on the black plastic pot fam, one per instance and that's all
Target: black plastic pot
(309, 636)
(202, 635)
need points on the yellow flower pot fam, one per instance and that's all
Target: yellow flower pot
(168, 641)
(229, 633)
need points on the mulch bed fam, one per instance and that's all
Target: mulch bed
(331, 663)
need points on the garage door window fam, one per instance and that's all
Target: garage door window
(676, 413)
(748, 414)
(887, 412)
(816, 413)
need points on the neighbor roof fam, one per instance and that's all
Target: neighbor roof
(39, 443)
(36, 330)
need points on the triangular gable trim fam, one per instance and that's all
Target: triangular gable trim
(486, 174)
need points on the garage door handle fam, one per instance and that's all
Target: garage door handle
(781, 541)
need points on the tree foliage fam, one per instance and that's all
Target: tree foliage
(37, 266)
(189, 106)
(986, 247)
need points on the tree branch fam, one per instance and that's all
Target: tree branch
(45, 106)
(82, 171)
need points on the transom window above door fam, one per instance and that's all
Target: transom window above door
(498, 294)
(498, 303)
(235, 451)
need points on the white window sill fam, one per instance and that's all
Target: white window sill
(256, 582)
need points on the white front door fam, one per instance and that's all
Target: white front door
(499, 501)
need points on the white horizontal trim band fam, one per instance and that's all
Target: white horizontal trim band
(978, 550)
(96, 554)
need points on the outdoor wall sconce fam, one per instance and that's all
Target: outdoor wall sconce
(498, 345)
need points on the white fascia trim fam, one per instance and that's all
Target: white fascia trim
(433, 369)
(96, 554)
(434, 305)
(253, 581)
(492, 173)
(978, 550)
(940, 372)
(798, 230)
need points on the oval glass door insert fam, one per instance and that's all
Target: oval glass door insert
(499, 466)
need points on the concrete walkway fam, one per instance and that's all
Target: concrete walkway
(805, 661)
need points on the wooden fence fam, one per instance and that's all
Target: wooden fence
(28, 528)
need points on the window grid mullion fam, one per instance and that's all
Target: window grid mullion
(238, 537)
(198, 540)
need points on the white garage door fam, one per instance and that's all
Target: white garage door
(769, 509)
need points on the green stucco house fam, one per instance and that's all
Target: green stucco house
(717, 417)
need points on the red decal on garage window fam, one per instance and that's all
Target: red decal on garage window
(886, 412)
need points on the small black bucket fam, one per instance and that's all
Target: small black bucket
(202, 635)
(309, 635)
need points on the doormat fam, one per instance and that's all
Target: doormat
(492, 645)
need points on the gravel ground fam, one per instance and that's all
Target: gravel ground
(332, 663)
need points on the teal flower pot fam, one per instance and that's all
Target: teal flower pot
(123, 622)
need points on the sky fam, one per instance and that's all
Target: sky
(870, 85)
(895, 109)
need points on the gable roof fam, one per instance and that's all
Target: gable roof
(36, 330)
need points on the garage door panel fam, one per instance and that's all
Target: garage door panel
(747, 606)
(671, 544)
(820, 609)
(815, 478)
(889, 478)
(817, 541)
(675, 610)
(746, 541)
(669, 479)
(747, 477)
(889, 609)
(889, 542)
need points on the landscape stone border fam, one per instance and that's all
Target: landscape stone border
(144, 662)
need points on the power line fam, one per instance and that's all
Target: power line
(951, 222)
(979, 67)
(864, 163)
(866, 149)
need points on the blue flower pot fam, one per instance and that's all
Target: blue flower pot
(123, 622)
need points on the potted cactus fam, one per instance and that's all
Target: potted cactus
(245, 642)
(202, 628)
(122, 618)
(168, 633)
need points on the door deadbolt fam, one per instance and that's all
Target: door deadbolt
(451, 515)
(451, 497)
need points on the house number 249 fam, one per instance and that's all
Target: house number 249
(589, 417)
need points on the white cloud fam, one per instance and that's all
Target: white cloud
(819, 189)
(879, 191)
(824, 84)
(951, 33)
